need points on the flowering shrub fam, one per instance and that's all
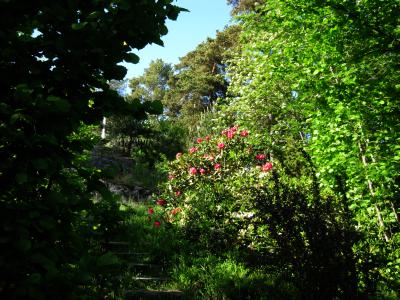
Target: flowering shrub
(210, 188)
(236, 192)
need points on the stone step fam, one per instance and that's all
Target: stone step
(116, 246)
(117, 243)
(149, 278)
(145, 266)
(153, 294)
(131, 253)
(148, 270)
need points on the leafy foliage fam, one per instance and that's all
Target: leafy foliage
(153, 84)
(200, 79)
(322, 76)
(231, 192)
(150, 139)
(56, 61)
(242, 6)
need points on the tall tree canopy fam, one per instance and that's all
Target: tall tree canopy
(55, 64)
(153, 84)
(200, 78)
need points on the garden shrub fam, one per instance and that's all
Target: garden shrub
(235, 191)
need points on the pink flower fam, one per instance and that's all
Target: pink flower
(207, 138)
(171, 177)
(157, 224)
(161, 202)
(244, 133)
(177, 193)
(150, 211)
(199, 140)
(178, 155)
(234, 128)
(221, 145)
(223, 132)
(192, 171)
(193, 150)
(217, 166)
(266, 167)
(230, 134)
(260, 156)
(202, 171)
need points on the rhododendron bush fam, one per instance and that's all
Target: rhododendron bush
(214, 189)
(234, 190)
(209, 188)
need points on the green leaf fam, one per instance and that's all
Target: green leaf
(132, 58)
(174, 12)
(163, 30)
(117, 72)
(79, 26)
(153, 107)
(21, 178)
(19, 117)
(108, 259)
(46, 223)
(59, 104)
(157, 106)
(40, 164)
(35, 278)
(94, 15)
(23, 92)
(23, 245)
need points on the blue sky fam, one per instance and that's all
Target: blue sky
(191, 28)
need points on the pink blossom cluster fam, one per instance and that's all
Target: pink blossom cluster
(208, 159)
(231, 132)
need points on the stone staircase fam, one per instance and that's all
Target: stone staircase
(148, 277)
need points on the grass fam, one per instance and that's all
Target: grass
(196, 272)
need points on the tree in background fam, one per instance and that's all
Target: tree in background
(151, 139)
(187, 90)
(56, 61)
(324, 76)
(153, 84)
(200, 79)
(242, 6)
